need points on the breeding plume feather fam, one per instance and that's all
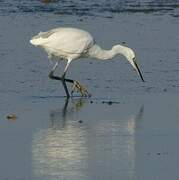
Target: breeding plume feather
(67, 43)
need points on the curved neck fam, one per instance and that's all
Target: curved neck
(99, 53)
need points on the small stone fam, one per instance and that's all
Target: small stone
(11, 117)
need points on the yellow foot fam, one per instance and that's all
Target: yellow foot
(79, 88)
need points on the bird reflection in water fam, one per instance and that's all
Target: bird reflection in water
(60, 150)
(59, 117)
(74, 151)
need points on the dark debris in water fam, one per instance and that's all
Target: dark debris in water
(157, 153)
(80, 121)
(110, 102)
(105, 102)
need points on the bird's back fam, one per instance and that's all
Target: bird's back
(64, 40)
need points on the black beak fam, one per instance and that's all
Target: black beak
(138, 70)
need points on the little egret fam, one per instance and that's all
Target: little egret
(67, 43)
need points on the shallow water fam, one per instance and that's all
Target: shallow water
(136, 138)
(24, 68)
(127, 129)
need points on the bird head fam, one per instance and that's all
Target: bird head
(130, 56)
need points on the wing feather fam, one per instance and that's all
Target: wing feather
(69, 40)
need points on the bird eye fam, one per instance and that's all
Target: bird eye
(133, 58)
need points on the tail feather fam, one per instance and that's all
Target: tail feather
(36, 42)
(42, 37)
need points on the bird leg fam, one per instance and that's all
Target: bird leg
(65, 87)
(51, 76)
(78, 87)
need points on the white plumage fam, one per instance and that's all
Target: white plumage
(72, 43)
(64, 42)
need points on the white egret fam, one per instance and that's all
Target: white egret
(65, 43)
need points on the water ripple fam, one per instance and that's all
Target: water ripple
(89, 8)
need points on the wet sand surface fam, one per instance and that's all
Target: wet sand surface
(127, 130)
